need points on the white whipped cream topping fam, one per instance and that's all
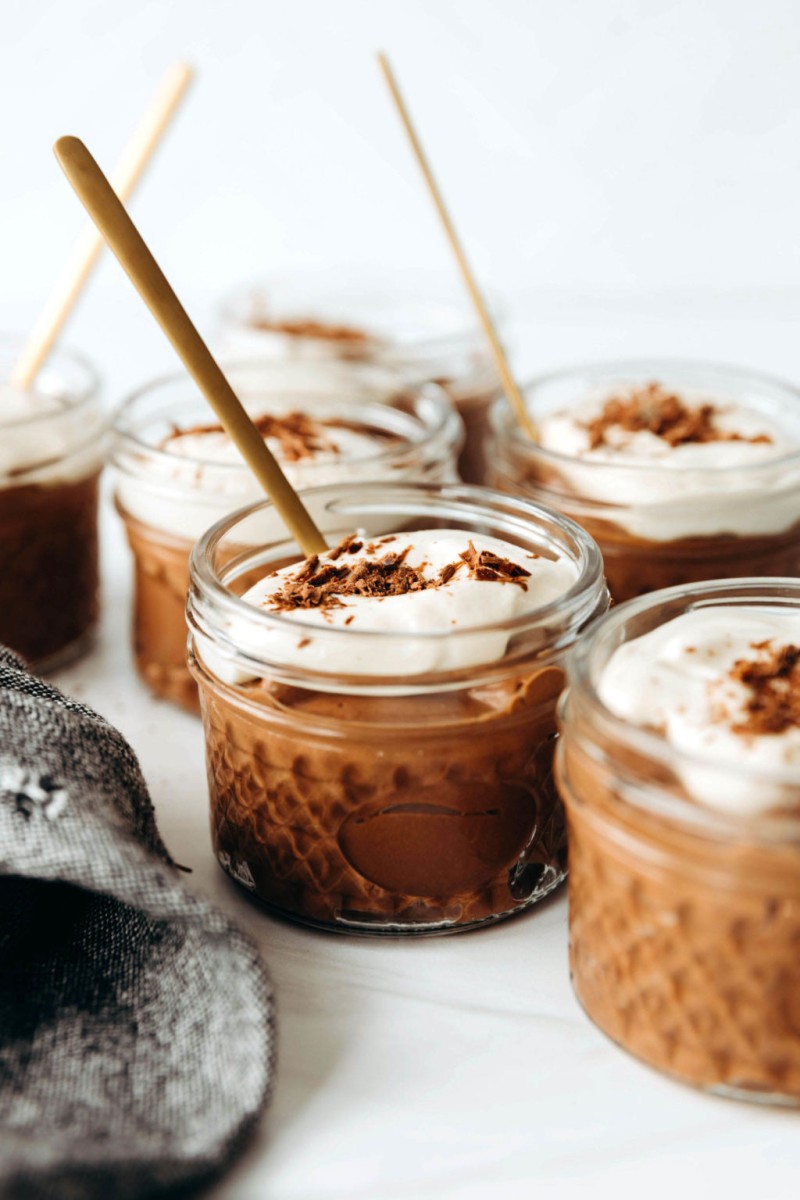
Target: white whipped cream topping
(689, 490)
(199, 478)
(677, 679)
(215, 446)
(465, 370)
(38, 432)
(303, 637)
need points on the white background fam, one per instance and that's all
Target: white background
(628, 175)
(627, 172)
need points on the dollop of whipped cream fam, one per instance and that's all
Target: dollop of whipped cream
(652, 424)
(200, 476)
(406, 587)
(681, 435)
(722, 685)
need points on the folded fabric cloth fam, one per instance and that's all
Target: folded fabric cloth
(136, 1022)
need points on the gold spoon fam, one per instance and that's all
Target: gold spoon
(124, 239)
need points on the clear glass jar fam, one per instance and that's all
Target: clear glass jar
(52, 447)
(661, 526)
(167, 502)
(376, 804)
(429, 335)
(684, 920)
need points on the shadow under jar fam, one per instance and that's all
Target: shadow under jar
(52, 445)
(682, 792)
(664, 511)
(177, 472)
(380, 779)
(427, 335)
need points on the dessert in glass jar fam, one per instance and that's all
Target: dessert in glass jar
(679, 766)
(178, 472)
(52, 446)
(680, 471)
(427, 334)
(380, 719)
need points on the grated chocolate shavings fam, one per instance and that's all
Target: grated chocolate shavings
(489, 566)
(654, 409)
(773, 684)
(323, 585)
(317, 585)
(310, 328)
(298, 435)
(348, 545)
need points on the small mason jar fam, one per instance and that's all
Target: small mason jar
(428, 336)
(684, 918)
(168, 501)
(52, 446)
(658, 526)
(371, 803)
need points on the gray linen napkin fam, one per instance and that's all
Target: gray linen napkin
(136, 1022)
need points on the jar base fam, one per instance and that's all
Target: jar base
(724, 1091)
(67, 655)
(367, 925)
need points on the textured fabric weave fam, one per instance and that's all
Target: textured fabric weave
(136, 1022)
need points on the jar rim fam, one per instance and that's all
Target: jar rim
(606, 635)
(504, 423)
(466, 330)
(569, 612)
(446, 421)
(60, 361)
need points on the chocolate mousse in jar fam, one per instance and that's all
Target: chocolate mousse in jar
(380, 719)
(52, 445)
(680, 471)
(679, 766)
(428, 333)
(178, 472)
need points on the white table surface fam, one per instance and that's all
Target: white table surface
(626, 174)
(458, 1066)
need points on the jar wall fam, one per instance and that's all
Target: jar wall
(659, 526)
(49, 545)
(418, 802)
(684, 919)
(53, 444)
(683, 949)
(428, 336)
(441, 820)
(167, 503)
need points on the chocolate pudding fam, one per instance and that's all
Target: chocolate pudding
(681, 472)
(679, 765)
(49, 583)
(178, 473)
(417, 815)
(160, 584)
(51, 451)
(379, 757)
(434, 340)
